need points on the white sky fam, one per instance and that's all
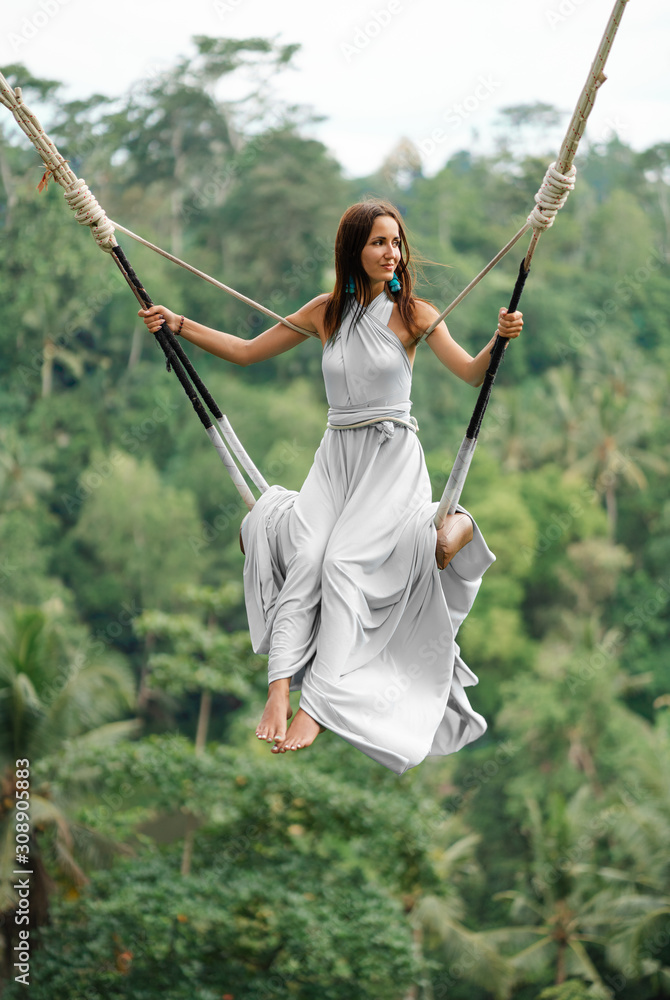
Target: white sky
(377, 70)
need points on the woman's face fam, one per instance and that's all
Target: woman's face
(381, 252)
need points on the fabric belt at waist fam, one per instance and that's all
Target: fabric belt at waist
(344, 418)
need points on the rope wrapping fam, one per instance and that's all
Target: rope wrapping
(551, 197)
(556, 186)
(88, 212)
(554, 190)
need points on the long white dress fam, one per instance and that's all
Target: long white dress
(341, 585)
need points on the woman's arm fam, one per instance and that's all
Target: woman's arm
(278, 339)
(452, 355)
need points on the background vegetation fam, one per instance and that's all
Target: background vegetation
(173, 856)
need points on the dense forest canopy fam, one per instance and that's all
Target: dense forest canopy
(173, 856)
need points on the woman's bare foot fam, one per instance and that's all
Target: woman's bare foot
(456, 532)
(277, 710)
(302, 732)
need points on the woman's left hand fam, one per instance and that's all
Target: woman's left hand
(509, 324)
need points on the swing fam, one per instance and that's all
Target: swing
(559, 180)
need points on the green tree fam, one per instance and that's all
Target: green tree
(204, 659)
(177, 131)
(137, 534)
(48, 696)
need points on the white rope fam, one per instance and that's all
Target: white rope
(412, 423)
(575, 130)
(213, 281)
(551, 197)
(88, 212)
(557, 184)
(475, 281)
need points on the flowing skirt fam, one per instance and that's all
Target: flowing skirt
(343, 592)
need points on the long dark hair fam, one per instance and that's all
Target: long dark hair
(352, 235)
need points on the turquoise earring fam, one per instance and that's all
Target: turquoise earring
(350, 287)
(394, 284)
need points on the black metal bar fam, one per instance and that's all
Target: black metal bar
(164, 336)
(497, 353)
(174, 341)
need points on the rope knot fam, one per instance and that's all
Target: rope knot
(386, 428)
(89, 212)
(551, 197)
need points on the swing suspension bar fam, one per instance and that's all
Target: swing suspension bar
(176, 359)
(88, 212)
(556, 186)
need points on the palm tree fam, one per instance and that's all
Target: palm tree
(203, 658)
(616, 423)
(438, 919)
(574, 902)
(49, 698)
(639, 878)
(21, 478)
(554, 919)
(604, 418)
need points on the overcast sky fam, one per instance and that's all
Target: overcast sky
(436, 71)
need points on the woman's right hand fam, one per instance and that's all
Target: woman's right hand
(156, 315)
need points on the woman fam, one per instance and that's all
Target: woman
(349, 588)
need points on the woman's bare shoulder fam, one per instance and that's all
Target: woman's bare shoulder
(425, 310)
(317, 301)
(314, 309)
(310, 316)
(425, 313)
